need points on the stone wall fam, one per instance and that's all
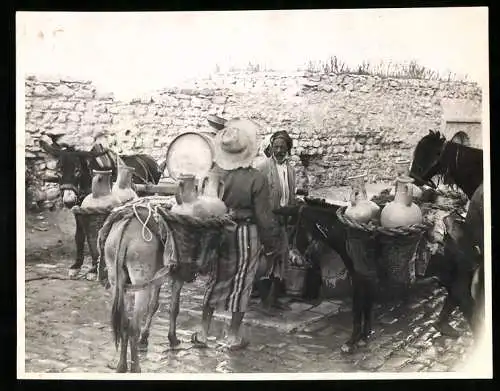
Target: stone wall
(344, 123)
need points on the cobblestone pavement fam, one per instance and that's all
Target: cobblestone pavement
(67, 330)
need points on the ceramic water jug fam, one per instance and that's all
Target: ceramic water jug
(401, 212)
(187, 195)
(210, 202)
(360, 208)
(122, 188)
(101, 196)
(403, 170)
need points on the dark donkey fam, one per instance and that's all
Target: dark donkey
(320, 220)
(461, 166)
(75, 180)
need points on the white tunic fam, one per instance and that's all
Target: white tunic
(283, 176)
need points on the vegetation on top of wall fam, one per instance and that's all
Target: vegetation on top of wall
(411, 70)
(334, 65)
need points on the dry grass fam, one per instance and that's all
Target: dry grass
(334, 65)
(410, 70)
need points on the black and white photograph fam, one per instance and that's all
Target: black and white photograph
(280, 194)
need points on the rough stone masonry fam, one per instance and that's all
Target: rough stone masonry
(344, 123)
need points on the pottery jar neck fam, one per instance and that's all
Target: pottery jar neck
(101, 184)
(358, 190)
(404, 191)
(124, 179)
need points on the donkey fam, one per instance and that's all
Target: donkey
(461, 166)
(75, 181)
(133, 258)
(319, 219)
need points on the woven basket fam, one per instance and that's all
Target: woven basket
(91, 223)
(388, 252)
(192, 243)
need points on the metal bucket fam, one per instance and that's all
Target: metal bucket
(295, 281)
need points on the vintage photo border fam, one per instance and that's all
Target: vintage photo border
(485, 369)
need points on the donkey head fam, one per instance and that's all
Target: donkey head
(426, 158)
(73, 171)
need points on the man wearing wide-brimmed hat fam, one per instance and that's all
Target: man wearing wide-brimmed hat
(246, 194)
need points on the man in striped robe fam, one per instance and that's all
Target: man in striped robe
(246, 194)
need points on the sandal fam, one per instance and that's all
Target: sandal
(197, 343)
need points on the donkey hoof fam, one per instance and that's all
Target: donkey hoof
(91, 276)
(135, 368)
(347, 348)
(173, 340)
(121, 368)
(142, 346)
(362, 342)
(72, 273)
(446, 330)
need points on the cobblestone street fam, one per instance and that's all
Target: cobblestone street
(67, 330)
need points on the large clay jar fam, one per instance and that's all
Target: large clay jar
(210, 199)
(401, 212)
(122, 188)
(101, 196)
(186, 196)
(360, 209)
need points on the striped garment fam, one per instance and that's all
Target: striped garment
(231, 277)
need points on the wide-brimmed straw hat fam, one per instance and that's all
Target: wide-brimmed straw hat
(236, 144)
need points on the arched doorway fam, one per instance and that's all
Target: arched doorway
(461, 138)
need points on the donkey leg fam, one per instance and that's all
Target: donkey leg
(94, 254)
(122, 363)
(442, 324)
(80, 244)
(174, 311)
(142, 300)
(357, 313)
(153, 305)
(460, 290)
(367, 330)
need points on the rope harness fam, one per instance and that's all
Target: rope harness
(179, 235)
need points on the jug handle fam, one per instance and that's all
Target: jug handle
(353, 196)
(203, 183)
(221, 189)
(178, 196)
(409, 195)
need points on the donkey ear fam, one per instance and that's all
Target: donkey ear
(51, 149)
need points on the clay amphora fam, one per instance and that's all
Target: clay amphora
(186, 196)
(360, 209)
(401, 212)
(122, 188)
(101, 196)
(210, 202)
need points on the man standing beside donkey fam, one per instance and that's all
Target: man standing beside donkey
(246, 194)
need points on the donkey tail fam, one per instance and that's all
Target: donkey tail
(118, 316)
